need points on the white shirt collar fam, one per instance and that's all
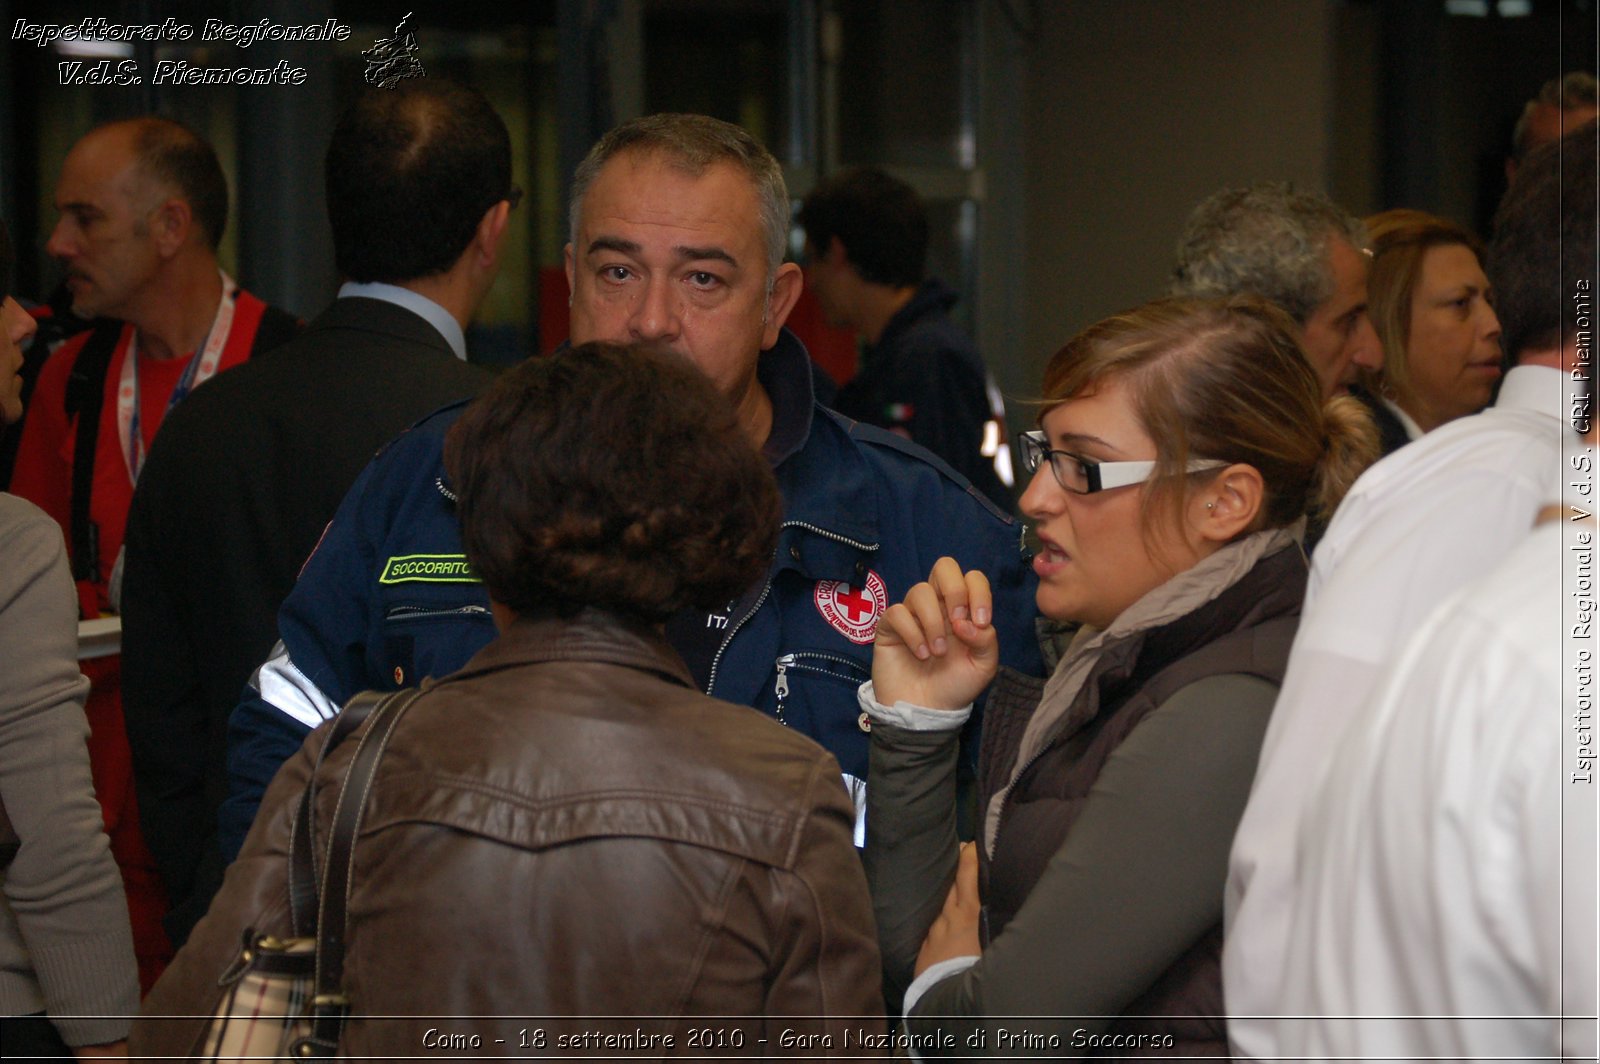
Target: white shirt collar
(1534, 388)
(420, 305)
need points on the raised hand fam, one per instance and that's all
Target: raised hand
(937, 648)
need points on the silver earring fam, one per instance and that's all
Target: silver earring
(1211, 506)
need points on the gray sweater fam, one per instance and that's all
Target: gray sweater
(1134, 887)
(65, 946)
(1112, 944)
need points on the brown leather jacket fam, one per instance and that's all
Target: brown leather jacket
(566, 828)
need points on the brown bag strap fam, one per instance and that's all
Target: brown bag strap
(303, 876)
(329, 1006)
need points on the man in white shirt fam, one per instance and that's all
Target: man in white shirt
(1432, 865)
(1420, 523)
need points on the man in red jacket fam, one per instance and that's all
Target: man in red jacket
(142, 206)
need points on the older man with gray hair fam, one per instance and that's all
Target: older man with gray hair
(1297, 250)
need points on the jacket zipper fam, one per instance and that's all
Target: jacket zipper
(781, 687)
(846, 540)
(409, 613)
(766, 589)
(716, 662)
(835, 658)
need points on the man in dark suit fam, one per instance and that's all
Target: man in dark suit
(247, 473)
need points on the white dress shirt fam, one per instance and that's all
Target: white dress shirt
(1429, 922)
(1429, 517)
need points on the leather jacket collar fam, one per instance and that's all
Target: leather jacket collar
(595, 635)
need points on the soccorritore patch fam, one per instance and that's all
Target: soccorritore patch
(428, 569)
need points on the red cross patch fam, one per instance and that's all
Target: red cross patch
(853, 611)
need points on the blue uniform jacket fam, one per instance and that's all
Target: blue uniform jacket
(387, 599)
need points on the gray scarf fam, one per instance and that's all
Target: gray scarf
(1178, 597)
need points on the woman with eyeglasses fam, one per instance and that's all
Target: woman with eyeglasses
(1180, 447)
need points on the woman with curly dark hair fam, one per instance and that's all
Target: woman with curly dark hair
(566, 827)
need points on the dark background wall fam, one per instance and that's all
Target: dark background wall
(1060, 143)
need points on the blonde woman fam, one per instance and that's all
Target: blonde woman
(1430, 303)
(1180, 447)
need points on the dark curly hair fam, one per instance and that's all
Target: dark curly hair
(410, 172)
(614, 477)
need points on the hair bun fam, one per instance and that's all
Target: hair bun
(1349, 446)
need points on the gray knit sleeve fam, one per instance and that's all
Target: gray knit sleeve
(65, 945)
(911, 841)
(1138, 880)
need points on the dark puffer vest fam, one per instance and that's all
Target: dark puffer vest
(1246, 630)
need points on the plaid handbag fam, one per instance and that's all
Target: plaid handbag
(263, 1012)
(282, 999)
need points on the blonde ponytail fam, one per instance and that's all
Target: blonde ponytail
(1350, 446)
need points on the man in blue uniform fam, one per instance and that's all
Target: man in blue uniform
(678, 227)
